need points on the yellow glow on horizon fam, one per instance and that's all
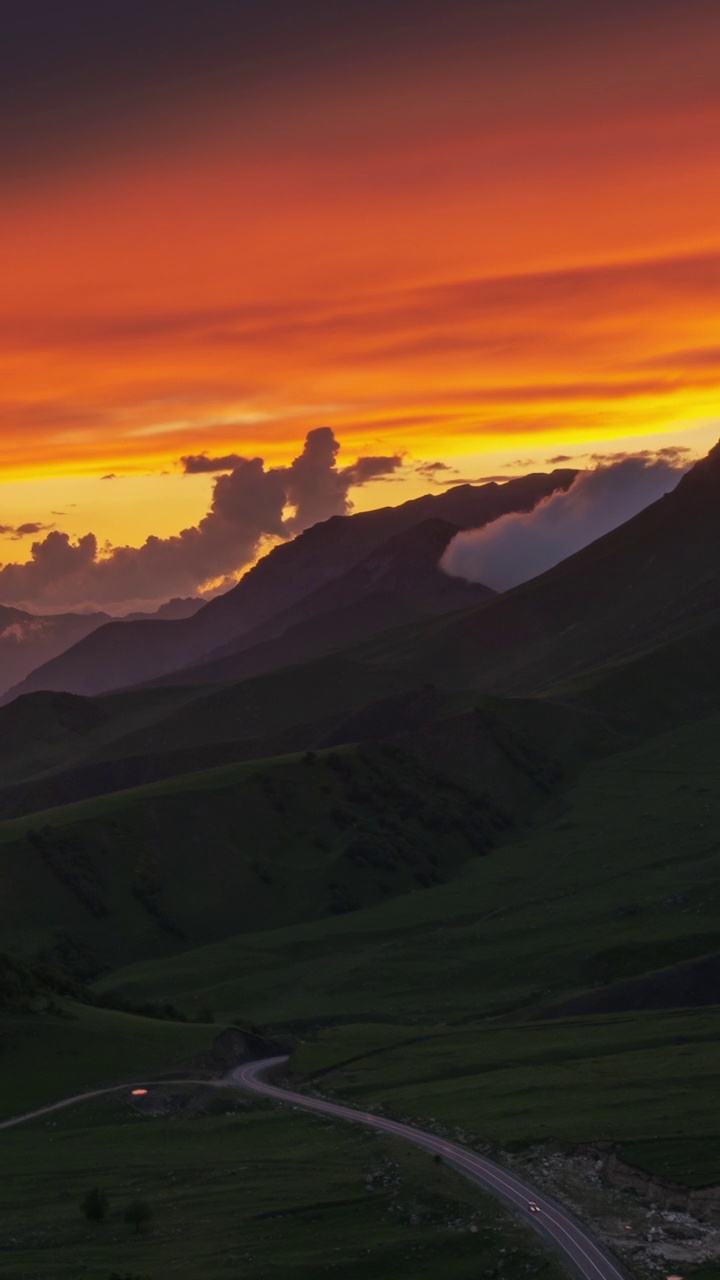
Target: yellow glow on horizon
(482, 270)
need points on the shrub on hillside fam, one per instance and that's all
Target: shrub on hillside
(95, 1205)
(138, 1214)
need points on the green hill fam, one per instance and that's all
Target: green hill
(160, 868)
(618, 876)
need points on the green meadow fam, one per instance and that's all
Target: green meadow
(645, 1083)
(238, 1188)
(45, 1057)
(620, 876)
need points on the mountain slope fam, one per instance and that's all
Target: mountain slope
(156, 869)
(650, 581)
(617, 876)
(29, 640)
(120, 654)
(597, 628)
(576, 628)
(397, 583)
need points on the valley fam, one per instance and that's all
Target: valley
(466, 868)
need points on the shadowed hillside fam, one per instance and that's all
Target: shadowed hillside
(159, 868)
(652, 580)
(28, 640)
(399, 582)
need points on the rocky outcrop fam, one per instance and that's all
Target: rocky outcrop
(233, 1046)
(703, 1202)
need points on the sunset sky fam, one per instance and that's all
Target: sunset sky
(480, 234)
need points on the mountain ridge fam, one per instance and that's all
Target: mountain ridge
(112, 658)
(30, 640)
(398, 582)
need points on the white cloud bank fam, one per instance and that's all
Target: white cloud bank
(518, 547)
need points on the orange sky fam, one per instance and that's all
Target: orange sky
(470, 254)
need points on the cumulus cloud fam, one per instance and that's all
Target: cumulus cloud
(520, 546)
(315, 470)
(250, 504)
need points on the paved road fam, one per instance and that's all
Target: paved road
(549, 1220)
(95, 1093)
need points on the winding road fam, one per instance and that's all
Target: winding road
(548, 1219)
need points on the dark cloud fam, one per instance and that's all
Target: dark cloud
(110, 476)
(195, 464)
(317, 489)
(26, 530)
(559, 457)
(249, 504)
(500, 479)
(30, 527)
(431, 469)
(76, 74)
(82, 77)
(316, 458)
(520, 546)
(673, 454)
(366, 469)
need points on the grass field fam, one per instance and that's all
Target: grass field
(647, 1083)
(159, 868)
(44, 1058)
(244, 1190)
(621, 877)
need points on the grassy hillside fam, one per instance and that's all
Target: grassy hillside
(620, 876)
(647, 1083)
(165, 867)
(652, 580)
(46, 1056)
(58, 747)
(239, 1189)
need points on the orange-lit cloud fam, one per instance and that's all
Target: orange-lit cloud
(252, 506)
(446, 238)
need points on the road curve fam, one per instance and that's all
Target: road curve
(96, 1093)
(549, 1220)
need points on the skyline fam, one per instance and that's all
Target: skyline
(483, 239)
